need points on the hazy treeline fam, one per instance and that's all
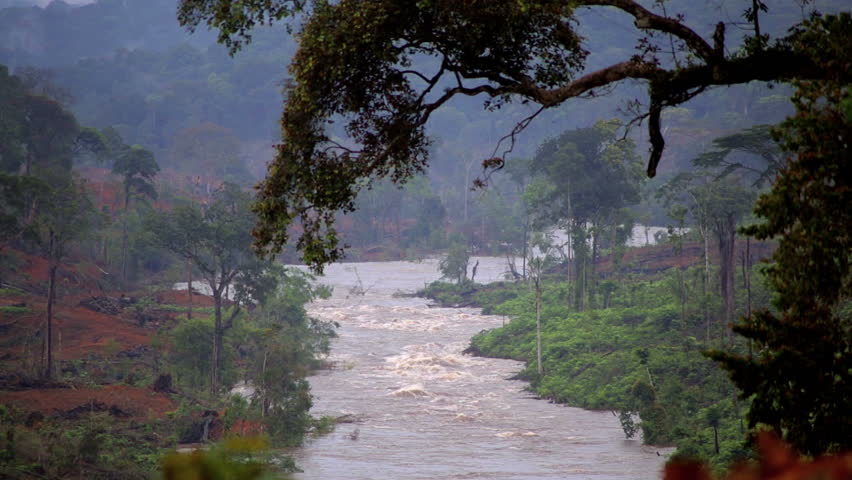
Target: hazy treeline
(128, 65)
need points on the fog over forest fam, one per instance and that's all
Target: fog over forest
(389, 239)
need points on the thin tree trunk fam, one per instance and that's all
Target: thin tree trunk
(683, 294)
(747, 275)
(716, 438)
(524, 262)
(706, 282)
(124, 250)
(592, 287)
(748, 287)
(264, 404)
(538, 320)
(124, 236)
(189, 288)
(568, 270)
(580, 273)
(583, 276)
(51, 295)
(105, 251)
(217, 339)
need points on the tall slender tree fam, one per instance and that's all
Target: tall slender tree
(717, 204)
(217, 239)
(137, 167)
(65, 215)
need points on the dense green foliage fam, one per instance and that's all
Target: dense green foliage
(216, 239)
(800, 378)
(454, 264)
(236, 458)
(641, 358)
(274, 349)
(584, 180)
(97, 447)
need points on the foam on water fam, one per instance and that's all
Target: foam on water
(426, 411)
(415, 390)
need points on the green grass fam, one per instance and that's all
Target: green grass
(165, 307)
(15, 310)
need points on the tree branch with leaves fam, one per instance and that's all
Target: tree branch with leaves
(355, 63)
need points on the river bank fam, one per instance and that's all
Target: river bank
(639, 354)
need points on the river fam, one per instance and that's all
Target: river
(425, 411)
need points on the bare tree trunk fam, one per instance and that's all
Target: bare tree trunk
(706, 282)
(51, 295)
(264, 404)
(124, 238)
(585, 292)
(217, 342)
(105, 252)
(747, 281)
(538, 320)
(747, 275)
(683, 294)
(189, 288)
(726, 231)
(716, 438)
(124, 250)
(591, 289)
(580, 274)
(526, 233)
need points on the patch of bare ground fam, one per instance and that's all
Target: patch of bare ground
(121, 400)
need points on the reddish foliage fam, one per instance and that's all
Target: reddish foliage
(777, 462)
(246, 428)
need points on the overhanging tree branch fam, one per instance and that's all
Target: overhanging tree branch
(647, 20)
(359, 61)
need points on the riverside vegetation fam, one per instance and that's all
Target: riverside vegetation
(105, 366)
(87, 209)
(639, 355)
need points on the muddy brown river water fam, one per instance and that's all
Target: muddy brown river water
(425, 411)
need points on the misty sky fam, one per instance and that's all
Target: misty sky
(42, 3)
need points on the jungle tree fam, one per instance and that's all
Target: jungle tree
(65, 214)
(354, 65)
(592, 176)
(217, 239)
(717, 204)
(752, 152)
(137, 167)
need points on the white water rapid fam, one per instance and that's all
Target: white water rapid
(425, 411)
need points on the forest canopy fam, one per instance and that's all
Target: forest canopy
(384, 67)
